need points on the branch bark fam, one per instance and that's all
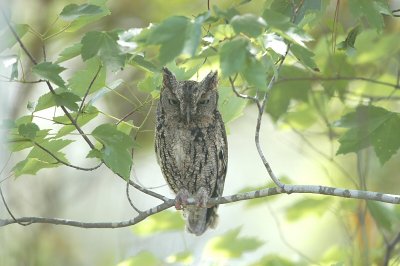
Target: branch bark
(168, 203)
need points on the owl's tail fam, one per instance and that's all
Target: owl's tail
(199, 219)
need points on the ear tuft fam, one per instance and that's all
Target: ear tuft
(211, 80)
(169, 79)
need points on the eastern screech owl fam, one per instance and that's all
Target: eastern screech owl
(191, 146)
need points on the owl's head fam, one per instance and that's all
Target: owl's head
(189, 101)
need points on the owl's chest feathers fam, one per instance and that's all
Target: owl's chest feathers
(186, 146)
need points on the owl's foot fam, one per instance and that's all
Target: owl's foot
(181, 199)
(202, 197)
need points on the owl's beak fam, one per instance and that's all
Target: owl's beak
(188, 116)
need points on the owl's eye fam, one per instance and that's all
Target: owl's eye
(204, 101)
(173, 102)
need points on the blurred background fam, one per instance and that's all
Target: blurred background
(302, 229)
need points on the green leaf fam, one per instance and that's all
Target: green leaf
(230, 245)
(18, 142)
(139, 61)
(255, 74)
(80, 81)
(50, 72)
(370, 11)
(230, 106)
(184, 258)
(116, 148)
(28, 130)
(193, 34)
(152, 82)
(73, 11)
(274, 260)
(227, 14)
(233, 56)
(337, 65)
(177, 35)
(31, 166)
(304, 55)
(68, 100)
(126, 127)
(370, 125)
(165, 221)
(284, 92)
(61, 98)
(104, 45)
(171, 37)
(281, 24)
(143, 258)
(303, 9)
(69, 52)
(47, 100)
(307, 206)
(38, 159)
(183, 73)
(7, 38)
(84, 20)
(249, 24)
(350, 39)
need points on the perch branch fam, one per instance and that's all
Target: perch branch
(289, 189)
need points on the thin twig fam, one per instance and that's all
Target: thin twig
(67, 114)
(9, 210)
(283, 237)
(65, 163)
(129, 199)
(17, 37)
(389, 249)
(259, 120)
(148, 192)
(87, 92)
(323, 155)
(134, 111)
(244, 96)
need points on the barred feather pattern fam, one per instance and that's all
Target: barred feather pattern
(191, 146)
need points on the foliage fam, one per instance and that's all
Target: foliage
(338, 78)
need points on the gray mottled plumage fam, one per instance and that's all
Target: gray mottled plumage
(191, 146)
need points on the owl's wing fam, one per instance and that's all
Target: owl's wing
(222, 155)
(222, 163)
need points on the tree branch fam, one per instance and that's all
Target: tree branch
(289, 189)
(389, 249)
(259, 120)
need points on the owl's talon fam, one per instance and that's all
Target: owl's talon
(181, 199)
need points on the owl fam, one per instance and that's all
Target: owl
(191, 146)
